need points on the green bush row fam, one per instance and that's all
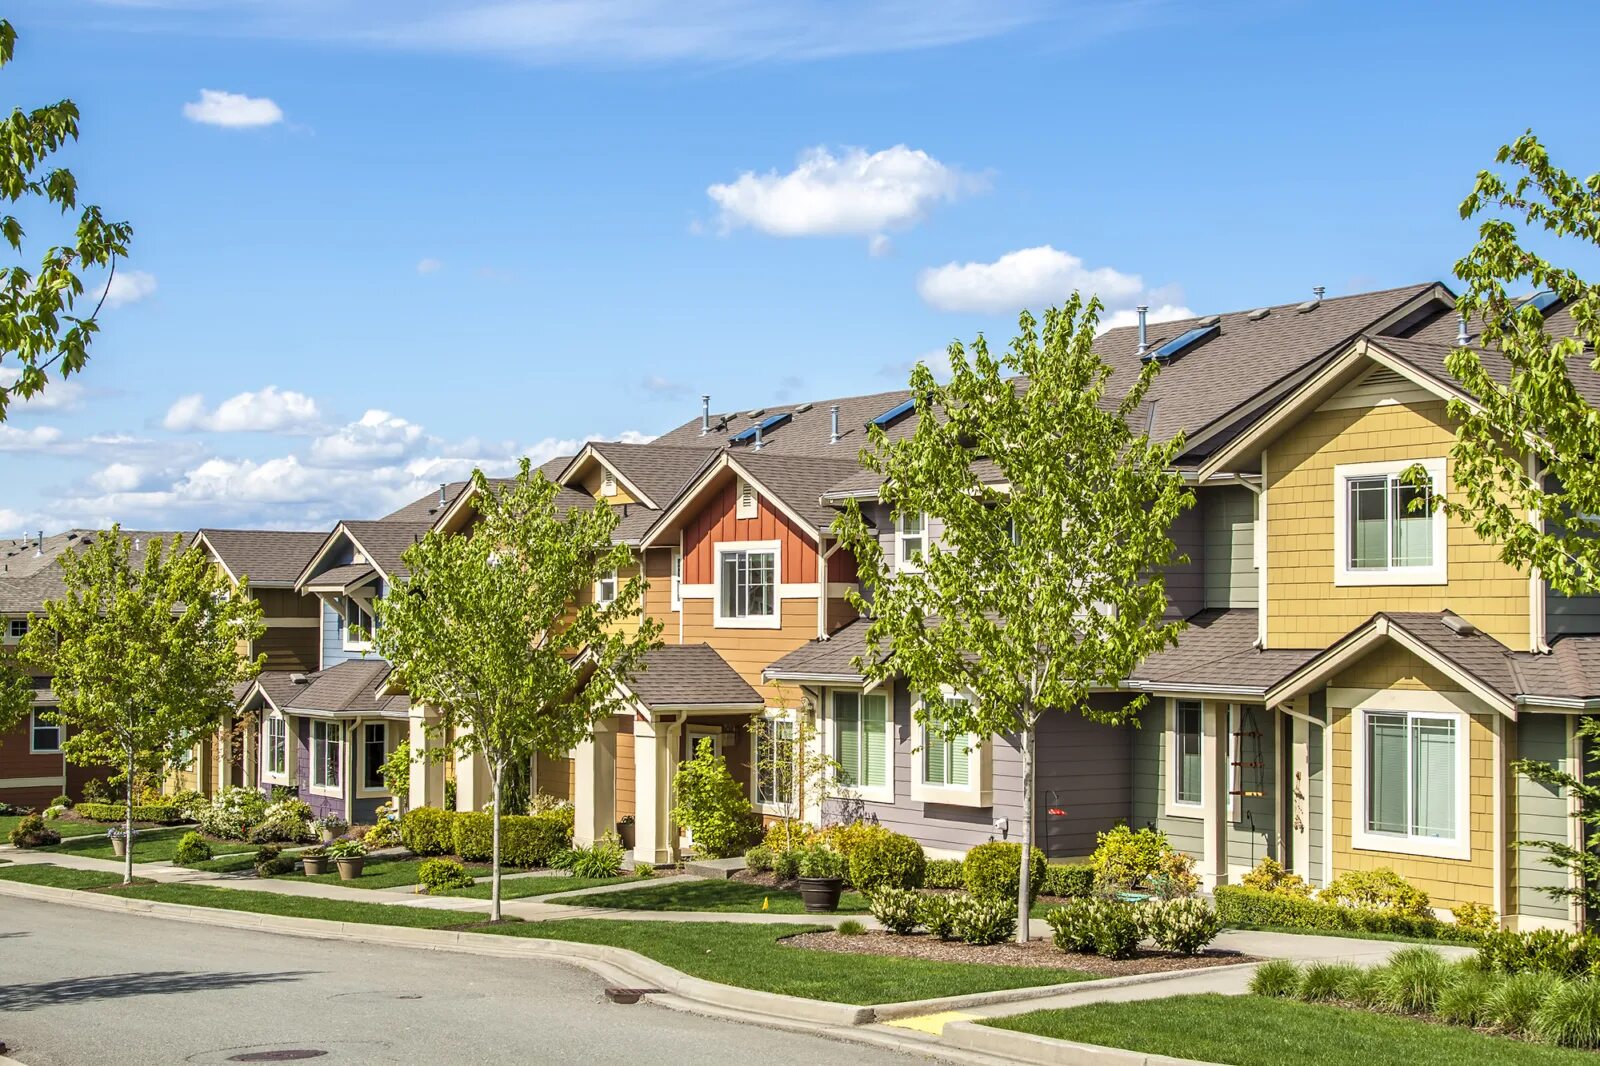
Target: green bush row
(161, 814)
(1239, 906)
(525, 840)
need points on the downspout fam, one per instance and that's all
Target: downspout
(823, 555)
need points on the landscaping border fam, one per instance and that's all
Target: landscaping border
(1047, 1051)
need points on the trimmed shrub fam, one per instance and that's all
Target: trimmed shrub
(1117, 929)
(428, 831)
(192, 849)
(887, 859)
(230, 812)
(533, 840)
(1539, 951)
(62, 800)
(601, 859)
(1239, 906)
(942, 873)
(287, 821)
(786, 865)
(271, 861)
(983, 921)
(1475, 918)
(1324, 981)
(1073, 881)
(788, 834)
(1181, 925)
(160, 814)
(31, 832)
(712, 805)
(472, 835)
(1074, 924)
(991, 871)
(1465, 1000)
(820, 861)
(1413, 980)
(1270, 876)
(1570, 1015)
(1127, 859)
(1279, 979)
(437, 874)
(937, 914)
(847, 836)
(896, 909)
(1513, 1004)
(1377, 890)
(759, 857)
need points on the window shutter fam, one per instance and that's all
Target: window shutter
(1434, 773)
(1387, 801)
(847, 736)
(875, 741)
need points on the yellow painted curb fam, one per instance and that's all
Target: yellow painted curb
(932, 1024)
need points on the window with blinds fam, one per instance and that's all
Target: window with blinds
(945, 759)
(1411, 775)
(1390, 525)
(775, 762)
(1187, 745)
(277, 745)
(861, 739)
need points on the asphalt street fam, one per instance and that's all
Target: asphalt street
(82, 988)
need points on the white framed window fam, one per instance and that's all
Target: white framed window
(910, 538)
(861, 744)
(44, 738)
(605, 589)
(677, 579)
(949, 767)
(374, 749)
(327, 756)
(1411, 782)
(747, 585)
(1386, 531)
(275, 752)
(16, 628)
(946, 759)
(608, 484)
(776, 759)
(1187, 767)
(746, 506)
(357, 616)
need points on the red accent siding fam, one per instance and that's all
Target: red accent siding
(715, 524)
(842, 567)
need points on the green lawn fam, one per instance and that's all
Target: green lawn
(235, 899)
(58, 876)
(685, 894)
(66, 828)
(379, 871)
(151, 845)
(523, 887)
(751, 956)
(1256, 1031)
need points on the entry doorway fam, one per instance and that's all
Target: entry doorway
(692, 736)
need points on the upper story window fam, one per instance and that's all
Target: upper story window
(677, 579)
(605, 589)
(1386, 531)
(44, 738)
(910, 537)
(277, 746)
(747, 579)
(357, 617)
(17, 628)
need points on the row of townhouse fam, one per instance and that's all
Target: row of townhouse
(1353, 685)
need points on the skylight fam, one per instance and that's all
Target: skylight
(771, 423)
(1540, 301)
(1186, 339)
(884, 420)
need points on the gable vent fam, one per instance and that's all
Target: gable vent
(1384, 378)
(746, 507)
(608, 484)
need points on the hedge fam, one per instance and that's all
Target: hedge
(525, 840)
(427, 831)
(1068, 881)
(887, 859)
(160, 813)
(1239, 906)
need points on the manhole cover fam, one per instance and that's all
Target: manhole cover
(292, 1054)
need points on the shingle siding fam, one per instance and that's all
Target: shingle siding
(1228, 520)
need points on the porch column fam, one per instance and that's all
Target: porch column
(250, 775)
(427, 776)
(473, 787)
(1300, 796)
(1214, 787)
(655, 758)
(594, 783)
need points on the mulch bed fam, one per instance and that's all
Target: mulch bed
(764, 878)
(1041, 953)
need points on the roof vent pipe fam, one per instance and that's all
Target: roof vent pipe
(833, 431)
(1143, 309)
(38, 545)
(1461, 331)
(441, 495)
(1318, 290)
(756, 447)
(705, 415)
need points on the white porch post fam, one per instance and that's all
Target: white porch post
(427, 776)
(594, 783)
(655, 758)
(1213, 787)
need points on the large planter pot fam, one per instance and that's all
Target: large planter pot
(315, 865)
(350, 867)
(119, 845)
(821, 894)
(327, 836)
(625, 834)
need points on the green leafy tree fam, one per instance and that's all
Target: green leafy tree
(488, 629)
(16, 696)
(712, 805)
(1046, 583)
(143, 655)
(39, 331)
(396, 773)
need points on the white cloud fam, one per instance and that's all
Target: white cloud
(268, 410)
(57, 395)
(129, 286)
(852, 193)
(377, 437)
(1127, 316)
(117, 477)
(37, 439)
(429, 266)
(232, 110)
(879, 246)
(1030, 277)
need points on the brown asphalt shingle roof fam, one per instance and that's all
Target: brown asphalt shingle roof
(385, 541)
(266, 557)
(806, 432)
(342, 576)
(1429, 357)
(351, 686)
(660, 471)
(831, 658)
(1218, 649)
(799, 481)
(28, 581)
(690, 675)
(427, 509)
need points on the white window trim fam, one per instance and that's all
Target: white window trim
(267, 773)
(361, 774)
(772, 621)
(779, 810)
(1176, 808)
(868, 793)
(9, 636)
(979, 789)
(1411, 705)
(675, 578)
(344, 633)
(33, 725)
(1435, 573)
(316, 761)
(600, 598)
(901, 562)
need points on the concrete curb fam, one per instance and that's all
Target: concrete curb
(1042, 1050)
(914, 1008)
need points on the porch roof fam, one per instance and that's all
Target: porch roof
(691, 676)
(354, 687)
(830, 659)
(1218, 652)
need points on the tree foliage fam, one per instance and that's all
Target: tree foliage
(16, 696)
(39, 329)
(1524, 408)
(1046, 582)
(490, 630)
(143, 654)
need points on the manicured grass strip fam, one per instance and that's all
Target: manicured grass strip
(523, 887)
(63, 826)
(1256, 1031)
(151, 845)
(750, 956)
(684, 894)
(379, 871)
(331, 910)
(58, 876)
(227, 864)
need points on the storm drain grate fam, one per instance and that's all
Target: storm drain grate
(629, 995)
(292, 1054)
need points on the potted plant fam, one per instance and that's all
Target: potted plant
(625, 831)
(350, 855)
(314, 861)
(119, 841)
(330, 828)
(821, 878)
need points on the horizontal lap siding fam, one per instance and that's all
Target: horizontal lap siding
(1186, 582)
(333, 652)
(749, 651)
(1255, 835)
(17, 762)
(715, 523)
(1083, 769)
(1228, 517)
(1541, 813)
(1316, 793)
(625, 769)
(288, 648)
(1306, 609)
(1149, 782)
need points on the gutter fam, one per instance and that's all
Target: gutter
(1565, 703)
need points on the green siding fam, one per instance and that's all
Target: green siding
(1316, 793)
(1228, 523)
(1150, 781)
(1254, 835)
(1541, 814)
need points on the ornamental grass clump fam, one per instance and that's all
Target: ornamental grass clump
(1323, 982)
(1413, 980)
(1363, 986)
(1465, 1000)
(1514, 1003)
(1278, 979)
(898, 910)
(1570, 1015)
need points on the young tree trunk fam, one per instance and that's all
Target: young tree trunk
(127, 825)
(1023, 887)
(494, 873)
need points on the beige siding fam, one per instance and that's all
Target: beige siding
(749, 651)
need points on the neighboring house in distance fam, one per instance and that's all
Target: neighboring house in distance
(33, 769)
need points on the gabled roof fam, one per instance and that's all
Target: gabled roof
(31, 574)
(652, 473)
(1217, 652)
(382, 543)
(341, 578)
(691, 676)
(353, 687)
(269, 558)
(454, 517)
(794, 484)
(830, 660)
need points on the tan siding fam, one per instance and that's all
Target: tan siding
(658, 597)
(749, 651)
(1306, 609)
(625, 772)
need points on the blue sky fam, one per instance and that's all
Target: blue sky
(397, 239)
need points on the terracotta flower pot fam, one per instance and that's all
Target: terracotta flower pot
(350, 866)
(315, 865)
(821, 894)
